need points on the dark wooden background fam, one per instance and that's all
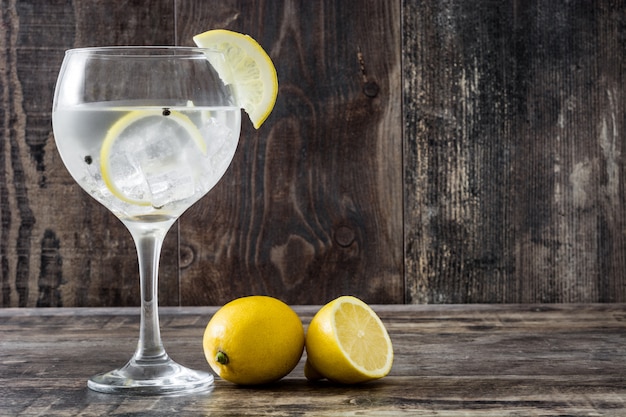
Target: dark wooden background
(419, 152)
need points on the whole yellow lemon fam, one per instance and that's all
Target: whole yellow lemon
(254, 340)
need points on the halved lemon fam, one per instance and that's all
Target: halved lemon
(252, 72)
(135, 132)
(347, 342)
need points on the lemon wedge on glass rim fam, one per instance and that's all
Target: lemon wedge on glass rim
(246, 67)
(118, 134)
(249, 70)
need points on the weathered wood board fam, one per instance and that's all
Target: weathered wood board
(312, 207)
(449, 360)
(514, 138)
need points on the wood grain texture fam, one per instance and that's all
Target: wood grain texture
(311, 207)
(514, 161)
(470, 360)
(419, 151)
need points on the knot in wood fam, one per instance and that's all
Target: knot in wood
(187, 256)
(344, 236)
(371, 89)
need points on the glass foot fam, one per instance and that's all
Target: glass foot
(162, 377)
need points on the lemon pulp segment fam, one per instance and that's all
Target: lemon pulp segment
(362, 336)
(346, 342)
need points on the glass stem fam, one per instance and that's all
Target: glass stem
(148, 239)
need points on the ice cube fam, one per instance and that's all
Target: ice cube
(216, 134)
(127, 175)
(168, 166)
(170, 185)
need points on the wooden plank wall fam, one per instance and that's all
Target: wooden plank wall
(419, 151)
(514, 151)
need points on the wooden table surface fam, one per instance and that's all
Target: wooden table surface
(450, 360)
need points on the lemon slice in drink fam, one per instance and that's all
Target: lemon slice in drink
(248, 69)
(347, 342)
(141, 138)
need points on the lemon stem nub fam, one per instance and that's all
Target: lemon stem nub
(221, 357)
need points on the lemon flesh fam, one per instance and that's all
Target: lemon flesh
(347, 343)
(124, 136)
(247, 67)
(253, 340)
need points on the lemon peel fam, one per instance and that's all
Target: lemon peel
(253, 340)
